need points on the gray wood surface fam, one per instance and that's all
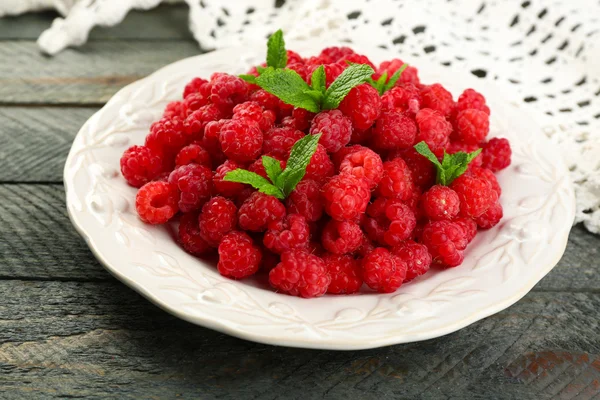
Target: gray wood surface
(68, 329)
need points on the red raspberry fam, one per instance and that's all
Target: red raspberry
(227, 90)
(305, 200)
(332, 71)
(455, 147)
(293, 57)
(472, 126)
(243, 195)
(471, 99)
(390, 221)
(258, 168)
(409, 75)
(346, 197)
(210, 141)
(437, 98)
(140, 165)
(362, 105)
(345, 273)
(253, 111)
(433, 128)
(341, 237)
(488, 175)
(197, 85)
(320, 166)
(445, 241)
(267, 100)
(300, 119)
(363, 164)
(335, 129)
(491, 217)
(193, 154)
(300, 274)
(166, 136)
(396, 181)
(413, 202)
(189, 234)
(194, 183)
(238, 256)
(361, 137)
(156, 202)
(440, 202)
(284, 110)
(394, 131)
(195, 123)
(280, 141)
(193, 102)
(366, 246)
(415, 256)
(476, 195)
(334, 54)
(404, 98)
(468, 226)
(289, 233)
(355, 59)
(339, 155)
(496, 154)
(422, 170)
(226, 188)
(383, 271)
(218, 218)
(300, 68)
(174, 109)
(258, 211)
(241, 141)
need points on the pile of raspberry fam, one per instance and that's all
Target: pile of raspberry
(368, 210)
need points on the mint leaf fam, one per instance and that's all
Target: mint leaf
(452, 165)
(289, 87)
(254, 180)
(248, 78)
(394, 78)
(272, 167)
(379, 84)
(352, 76)
(276, 54)
(260, 69)
(300, 156)
(461, 160)
(318, 78)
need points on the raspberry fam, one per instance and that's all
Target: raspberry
(445, 241)
(194, 183)
(332, 71)
(174, 109)
(166, 137)
(258, 168)
(389, 221)
(362, 105)
(383, 271)
(218, 217)
(156, 202)
(409, 75)
(455, 147)
(293, 57)
(468, 226)
(361, 136)
(267, 100)
(341, 237)
(356, 59)
(345, 273)
(301, 119)
(438, 99)
(366, 246)
(197, 85)
(241, 141)
(440, 202)
(280, 141)
(405, 98)
(346, 197)
(195, 123)
(394, 131)
(363, 164)
(193, 154)
(243, 195)
(238, 256)
(305, 200)
(210, 140)
(140, 165)
(471, 99)
(422, 170)
(189, 234)
(320, 166)
(339, 155)
(476, 195)
(226, 188)
(396, 181)
(491, 217)
(227, 90)
(300, 274)
(415, 256)
(258, 211)
(433, 128)
(335, 129)
(193, 102)
(334, 54)
(472, 126)
(300, 68)
(496, 154)
(488, 175)
(289, 233)
(253, 111)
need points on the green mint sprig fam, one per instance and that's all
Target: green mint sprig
(383, 84)
(452, 165)
(276, 56)
(282, 182)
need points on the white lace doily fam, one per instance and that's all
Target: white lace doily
(544, 54)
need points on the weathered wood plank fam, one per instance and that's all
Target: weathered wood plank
(101, 340)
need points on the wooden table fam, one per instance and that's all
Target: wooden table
(68, 329)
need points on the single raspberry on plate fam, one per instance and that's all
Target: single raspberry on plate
(362, 105)
(345, 273)
(456, 146)
(383, 271)
(193, 154)
(193, 102)
(363, 164)
(218, 218)
(472, 126)
(166, 136)
(258, 211)
(267, 100)
(491, 217)
(341, 237)
(300, 274)
(195, 123)
(253, 111)
(194, 183)
(210, 141)
(140, 165)
(289, 233)
(488, 175)
(174, 109)
(258, 168)
(409, 75)
(227, 188)
(416, 256)
(396, 181)
(440, 202)
(469, 227)
(404, 98)
(346, 197)
(320, 166)
(394, 131)
(471, 99)
(227, 90)
(197, 85)
(476, 195)
(332, 71)
(156, 202)
(437, 98)
(305, 200)
(496, 154)
(389, 221)
(280, 140)
(189, 235)
(241, 141)
(445, 241)
(239, 257)
(422, 170)
(433, 128)
(335, 129)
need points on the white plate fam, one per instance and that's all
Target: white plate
(500, 267)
